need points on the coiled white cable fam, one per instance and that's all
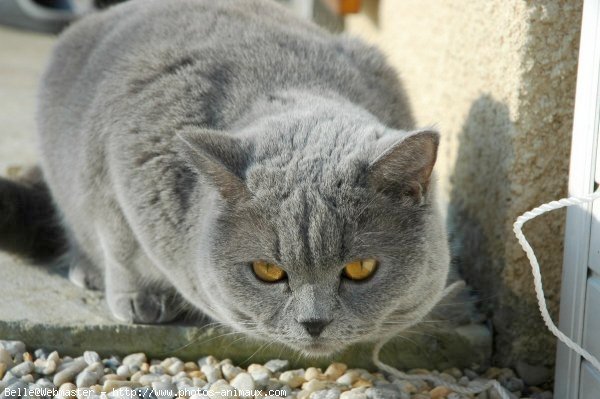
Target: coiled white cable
(539, 290)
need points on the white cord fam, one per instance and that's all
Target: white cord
(535, 267)
(539, 290)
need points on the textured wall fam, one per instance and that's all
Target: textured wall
(498, 79)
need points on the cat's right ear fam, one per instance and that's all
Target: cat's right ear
(221, 158)
(404, 168)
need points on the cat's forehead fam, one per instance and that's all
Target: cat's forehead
(321, 156)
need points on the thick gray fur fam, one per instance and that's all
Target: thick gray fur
(183, 139)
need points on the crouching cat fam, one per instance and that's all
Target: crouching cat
(228, 157)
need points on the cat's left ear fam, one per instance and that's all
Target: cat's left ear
(221, 158)
(404, 168)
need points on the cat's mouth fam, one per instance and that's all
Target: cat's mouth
(318, 348)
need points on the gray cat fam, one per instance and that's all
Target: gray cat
(229, 157)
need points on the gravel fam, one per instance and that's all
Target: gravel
(46, 375)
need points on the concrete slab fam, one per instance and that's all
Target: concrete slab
(39, 306)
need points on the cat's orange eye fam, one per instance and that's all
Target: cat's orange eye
(361, 269)
(268, 272)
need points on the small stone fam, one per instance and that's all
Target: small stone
(67, 390)
(313, 373)
(211, 373)
(53, 356)
(91, 357)
(12, 390)
(22, 369)
(277, 365)
(332, 393)
(210, 360)
(293, 378)
(448, 378)
(471, 374)
(360, 383)
(221, 389)
(406, 386)
(259, 373)
(176, 367)
(513, 384)
(464, 381)
(145, 367)
(353, 395)
(230, 371)
(148, 379)
(454, 372)
(348, 378)
(27, 378)
(382, 393)
(533, 375)
(335, 370)
(190, 366)
(110, 385)
(243, 382)
(135, 359)
(198, 382)
(13, 347)
(86, 379)
(40, 353)
(439, 392)
(6, 358)
(196, 374)
(311, 386)
(124, 371)
(156, 369)
(68, 374)
(111, 377)
(164, 390)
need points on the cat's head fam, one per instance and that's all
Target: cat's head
(327, 232)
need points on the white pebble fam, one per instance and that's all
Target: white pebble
(348, 378)
(277, 365)
(211, 372)
(13, 347)
(176, 367)
(210, 360)
(333, 393)
(352, 394)
(68, 374)
(243, 382)
(67, 390)
(124, 371)
(134, 359)
(293, 378)
(86, 379)
(229, 371)
(259, 373)
(22, 369)
(148, 379)
(221, 389)
(164, 390)
(91, 357)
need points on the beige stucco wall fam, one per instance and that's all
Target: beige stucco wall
(497, 78)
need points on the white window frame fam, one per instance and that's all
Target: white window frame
(579, 218)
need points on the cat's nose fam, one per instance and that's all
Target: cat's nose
(315, 326)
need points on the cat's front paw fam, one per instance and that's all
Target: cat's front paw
(143, 307)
